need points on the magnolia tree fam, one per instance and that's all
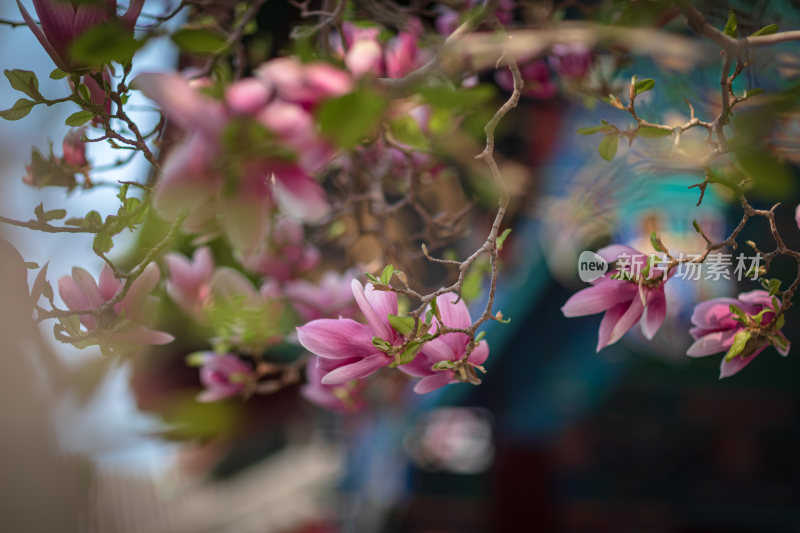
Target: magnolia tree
(300, 195)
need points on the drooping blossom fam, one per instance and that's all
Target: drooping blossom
(75, 149)
(342, 398)
(623, 301)
(347, 344)
(448, 347)
(536, 77)
(257, 147)
(63, 22)
(716, 325)
(330, 297)
(80, 292)
(571, 61)
(284, 254)
(223, 376)
(189, 281)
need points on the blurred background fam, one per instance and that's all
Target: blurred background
(558, 438)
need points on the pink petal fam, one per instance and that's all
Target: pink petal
(729, 368)
(183, 104)
(141, 335)
(87, 16)
(613, 252)
(48, 47)
(299, 194)
(630, 317)
(338, 338)
(365, 57)
(714, 342)
(130, 16)
(436, 381)
(599, 298)
(215, 394)
(140, 289)
(757, 297)
(247, 96)
(378, 322)
(715, 313)
(454, 315)
(57, 19)
(109, 285)
(437, 350)
(610, 319)
(480, 354)
(361, 369)
(86, 282)
(655, 312)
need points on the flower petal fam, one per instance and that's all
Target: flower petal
(361, 369)
(655, 312)
(610, 319)
(37, 31)
(337, 338)
(86, 282)
(378, 323)
(182, 103)
(713, 342)
(436, 381)
(729, 368)
(599, 298)
(454, 315)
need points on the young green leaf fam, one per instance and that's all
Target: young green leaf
(24, 81)
(649, 132)
(739, 342)
(351, 118)
(20, 109)
(608, 147)
(502, 238)
(386, 275)
(402, 324)
(643, 85)
(79, 118)
(381, 344)
(371, 278)
(766, 30)
(740, 316)
(731, 27)
(57, 74)
(200, 41)
(656, 242)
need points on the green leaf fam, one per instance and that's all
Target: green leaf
(447, 97)
(24, 81)
(371, 278)
(401, 324)
(381, 344)
(757, 319)
(739, 342)
(752, 92)
(502, 238)
(200, 41)
(766, 30)
(479, 336)
(351, 118)
(57, 74)
(386, 275)
(740, 316)
(55, 214)
(20, 109)
(79, 118)
(731, 27)
(102, 243)
(443, 365)
(643, 85)
(649, 132)
(407, 131)
(608, 147)
(774, 286)
(655, 242)
(696, 226)
(104, 43)
(408, 354)
(589, 130)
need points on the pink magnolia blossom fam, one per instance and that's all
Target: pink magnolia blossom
(367, 55)
(571, 61)
(332, 296)
(257, 148)
(80, 292)
(624, 302)
(343, 398)
(715, 327)
(347, 344)
(189, 282)
(75, 149)
(535, 75)
(63, 22)
(223, 376)
(449, 347)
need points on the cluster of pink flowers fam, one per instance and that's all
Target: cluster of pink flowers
(346, 351)
(256, 147)
(125, 326)
(570, 61)
(628, 300)
(366, 55)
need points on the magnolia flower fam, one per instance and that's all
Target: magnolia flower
(257, 147)
(450, 347)
(63, 22)
(189, 282)
(75, 149)
(623, 301)
(366, 55)
(571, 61)
(536, 77)
(331, 296)
(80, 292)
(344, 398)
(347, 343)
(716, 327)
(223, 376)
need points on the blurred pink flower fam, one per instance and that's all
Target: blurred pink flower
(284, 253)
(332, 296)
(367, 55)
(448, 347)
(571, 61)
(716, 326)
(189, 282)
(343, 398)
(624, 302)
(75, 149)
(535, 75)
(223, 376)
(346, 343)
(80, 292)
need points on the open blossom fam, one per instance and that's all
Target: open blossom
(223, 376)
(256, 148)
(347, 344)
(449, 347)
(80, 292)
(189, 282)
(343, 398)
(715, 327)
(330, 297)
(624, 302)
